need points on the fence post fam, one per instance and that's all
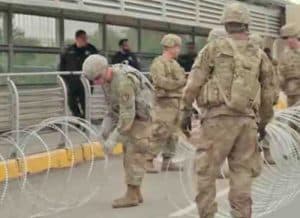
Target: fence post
(65, 127)
(88, 95)
(15, 115)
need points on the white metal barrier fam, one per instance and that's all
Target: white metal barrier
(95, 100)
(197, 13)
(22, 106)
(5, 109)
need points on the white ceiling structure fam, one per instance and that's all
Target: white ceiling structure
(266, 18)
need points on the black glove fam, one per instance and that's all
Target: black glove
(186, 121)
(262, 133)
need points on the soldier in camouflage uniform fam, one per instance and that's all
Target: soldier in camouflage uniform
(257, 40)
(289, 65)
(216, 33)
(232, 82)
(168, 79)
(289, 70)
(132, 131)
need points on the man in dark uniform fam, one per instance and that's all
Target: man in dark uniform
(125, 54)
(187, 60)
(72, 60)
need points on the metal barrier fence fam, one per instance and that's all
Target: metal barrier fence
(22, 106)
(95, 101)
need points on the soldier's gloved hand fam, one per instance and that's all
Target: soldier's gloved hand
(107, 126)
(111, 141)
(186, 121)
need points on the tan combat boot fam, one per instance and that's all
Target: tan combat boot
(129, 200)
(150, 168)
(268, 156)
(168, 165)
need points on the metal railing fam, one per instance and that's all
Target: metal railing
(26, 105)
(22, 106)
(95, 100)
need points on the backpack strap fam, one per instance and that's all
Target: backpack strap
(215, 78)
(257, 98)
(222, 92)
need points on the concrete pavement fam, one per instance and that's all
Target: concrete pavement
(161, 193)
(59, 193)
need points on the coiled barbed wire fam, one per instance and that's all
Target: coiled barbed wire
(276, 187)
(36, 190)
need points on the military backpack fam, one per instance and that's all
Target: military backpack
(144, 93)
(234, 79)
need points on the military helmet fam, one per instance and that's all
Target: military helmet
(216, 33)
(237, 13)
(257, 40)
(290, 30)
(94, 66)
(171, 40)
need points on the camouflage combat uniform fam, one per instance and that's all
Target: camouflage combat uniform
(135, 132)
(124, 87)
(225, 131)
(289, 68)
(168, 79)
(216, 33)
(257, 40)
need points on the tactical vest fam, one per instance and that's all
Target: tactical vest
(292, 67)
(172, 71)
(234, 79)
(291, 72)
(144, 99)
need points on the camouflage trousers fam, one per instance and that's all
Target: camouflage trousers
(165, 128)
(233, 138)
(136, 145)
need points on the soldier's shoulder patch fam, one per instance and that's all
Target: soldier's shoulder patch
(125, 97)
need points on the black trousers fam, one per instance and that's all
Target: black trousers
(76, 95)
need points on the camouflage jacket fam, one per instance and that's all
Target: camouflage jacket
(289, 69)
(276, 81)
(218, 57)
(121, 97)
(168, 77)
